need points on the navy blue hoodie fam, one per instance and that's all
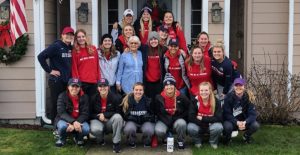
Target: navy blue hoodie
(222, 73)
(60, 58)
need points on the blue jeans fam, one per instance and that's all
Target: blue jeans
(62, 130)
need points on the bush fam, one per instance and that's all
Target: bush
(276, 90)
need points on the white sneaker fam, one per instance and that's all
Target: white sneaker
(214, 146)
(234, 133)
(198, 145)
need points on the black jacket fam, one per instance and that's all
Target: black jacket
(138, 113)
(65, 108)
(112, 105)
(182, 106)
(193, 112)
(235, 109)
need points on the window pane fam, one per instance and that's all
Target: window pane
(112, 4)
(196, 17)
(196, 5)
(196, 29)
(112, 16)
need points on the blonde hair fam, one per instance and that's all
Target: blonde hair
(125, 103)
(91, 51)
(123, 32)
(219, 44)
(211, 95)
(251, 95)
(142, 25)
(191, 60)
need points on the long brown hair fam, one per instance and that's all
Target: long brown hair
(125, 103)
(91, 51)
(191, 60)
(211, 95)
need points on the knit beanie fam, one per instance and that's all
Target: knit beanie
(153, 34)
(106, 36)
(169, 79)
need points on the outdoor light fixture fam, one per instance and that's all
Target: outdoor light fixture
(83, 13)
(216, 13)
(4, 11)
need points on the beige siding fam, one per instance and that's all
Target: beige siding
(86, 26)
(216, 31)
(296, 58)
(268, 25)
(17, 81)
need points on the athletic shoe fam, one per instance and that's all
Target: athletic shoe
(116, 148)
(180, 145)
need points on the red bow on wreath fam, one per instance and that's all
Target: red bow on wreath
(4, 36)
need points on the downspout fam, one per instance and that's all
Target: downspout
(226, 26)
(290, 45)
(39, 45)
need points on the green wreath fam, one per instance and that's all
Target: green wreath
(15, 52)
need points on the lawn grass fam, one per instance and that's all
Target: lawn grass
(270, 139)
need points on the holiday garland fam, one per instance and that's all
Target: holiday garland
(9, 55)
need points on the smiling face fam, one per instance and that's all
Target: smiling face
(163, 34)
(73, 90)
(239, 89)
(138, 92)
(128, 31)
(81, 38)
(107, 43)
(153, 42)
(218, 53)
(146, 16)
(168, 18)
(103, 90)
(170, 90)
(173, 49)
(128, 19)
(204, 91)
(203, 40)
(67, 38)
(197, 54)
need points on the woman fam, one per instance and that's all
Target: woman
(163, 35)
(221, 70)
(72, 114)
(121, 42)
(117, 27)
(239, 112)
(59, 67)
(143, 26)
(204, 43)
(172, 111)
(105, 115)
(130, 68)
(175, 32)
(153, 66)
(85, 63)
(138, 114)
(174, 64)
(109, 60)
(198, 68)
(205, 115)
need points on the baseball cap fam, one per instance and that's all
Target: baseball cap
(239, 81)
(67, 30)
(74, 81)
(128, 12)
(103, 82)
(173, 42)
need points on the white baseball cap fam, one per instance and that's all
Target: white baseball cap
(128, 12)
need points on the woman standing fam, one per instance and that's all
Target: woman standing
(130, 68)
(138, 114)
(172, 111)
(153, 66)
(221, 70)
(175, 32)
(109, 60)
(85, 63)
(204, 43)
(174, 64)
(59, 67)
(198, 68)
(72, 114)
(143, 25)
(205, 115)
(121, 42)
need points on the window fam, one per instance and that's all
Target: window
(112, 13)
(195, 19)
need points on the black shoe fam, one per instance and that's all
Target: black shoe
(116, 148)
(132, 145)
(102, 142)
(247, 139)
(147, 145)
(78, 142)
(60, 142)
(164, 141)
(181, 145)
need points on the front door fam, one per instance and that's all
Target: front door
(237, 51)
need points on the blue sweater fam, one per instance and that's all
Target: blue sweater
(59, 55)
(222, 73)
(130, 71)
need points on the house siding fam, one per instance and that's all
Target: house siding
(296, 47)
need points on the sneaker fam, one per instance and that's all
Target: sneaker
(234, 133)
(247, 139)
(132, 145)
(101, 142)
(55, 134)
(214, 146)
(60, 142)
(180, 145)
(199, 145)
(164, 141)
(116, 148)
(78, 142)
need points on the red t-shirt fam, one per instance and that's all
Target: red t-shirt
(146, 32)
(153, 72)
(204, 110)
(196, 75)
(175, 69)
(103, 104)
(170, 104)
(85, 66)
(75, 102)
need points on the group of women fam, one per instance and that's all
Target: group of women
(145, 76)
